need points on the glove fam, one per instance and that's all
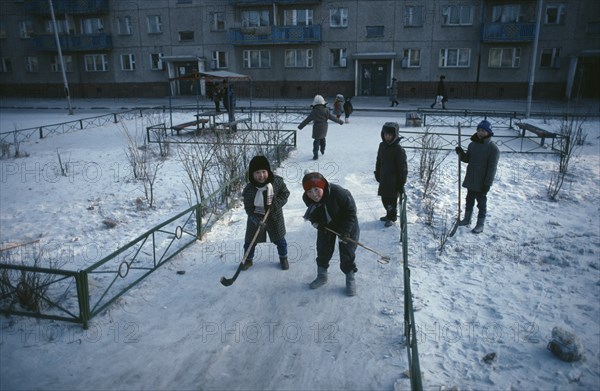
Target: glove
(255, 220)
(459, 151)
(485, 189)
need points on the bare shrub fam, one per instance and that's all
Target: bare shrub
(198, 161)
(571, 130)
(429, 162)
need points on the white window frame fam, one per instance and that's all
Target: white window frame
(256, 18)
(25, 28)
(55, 63)
(298, 17)
(127, 62)
(412, 58)
(91, 26)
(124, 25)
(154, 23)
(96, 62)
(5, 65)
(217, 21)
(156, 63)
(414, 16)
(62, 24)
(338, 17)
(31, 64)
(219, 59)
(507, 13)
(455, 58)
(262, 56)
(298, 58)
(338, 58)
(504, 58)
(455, 15)
(553, 54)
(561, 14)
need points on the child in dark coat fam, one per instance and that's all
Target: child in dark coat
(391, 170)
(333, 207)
(348, 109)
(320, 115)
(338, 105)
(265, 191)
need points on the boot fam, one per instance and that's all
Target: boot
(284, 263)
(479, 226)
(467, 219)
(247, 265)
(350, 284)
(321, 278)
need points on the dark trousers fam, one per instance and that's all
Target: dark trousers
(326, 246)
(481, 202)
(391, 207)
(281, 249)
(318, 143)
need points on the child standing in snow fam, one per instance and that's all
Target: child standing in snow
(338, 105)
(265, 191)
(348, 109)
(331, 206)
(320, 115)
(391, 171)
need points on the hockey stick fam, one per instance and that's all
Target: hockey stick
(383, 258)
(455, 226)
(229, 281)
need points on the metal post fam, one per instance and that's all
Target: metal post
(60, 57)
(534, 57)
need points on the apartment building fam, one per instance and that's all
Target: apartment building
(297, 48)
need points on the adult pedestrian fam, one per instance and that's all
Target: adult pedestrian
(394, 92)
(441, 96)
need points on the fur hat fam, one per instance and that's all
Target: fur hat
(259, 163)
(318, 100)
(485, 125)
(390, 127)
(339, 97)
(313, 179)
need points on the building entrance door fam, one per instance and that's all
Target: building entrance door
(374, 78)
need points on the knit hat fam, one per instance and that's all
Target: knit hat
(339, 97)
(259, 163)
(485, 125)
(318, 100)
(313, 179)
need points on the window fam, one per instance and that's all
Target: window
(61, 25)
(412, 58)
(555, 14)
(592, 28)
(25, 28)
(509, 13)
(298, 18)
(128, 62)
(92, 26)
(5, 65)
(457, 15)
(2, 30)
(504, 58)
(186, 36)
(184, 1)
(154, 24)
(338, 58)
(374, 31)
(299, 58)
(257, 59)
(338, 17)
(550, 58)
(454, 58)
(124, 25)
(413, 16)
(217, 21)
(96, 62)
(219, 59)
(156, 61)
(55, 64)
(259, 18)
(31, 64)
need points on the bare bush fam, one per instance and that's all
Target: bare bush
(571, 130)
(198, 161)
(429, 163)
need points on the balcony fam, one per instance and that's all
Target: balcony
(271, 2)
(275, 35)
(41, 7)
(72, 43)
(508, 32)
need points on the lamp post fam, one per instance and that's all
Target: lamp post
(60, 58)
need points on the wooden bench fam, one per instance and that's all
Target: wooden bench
(178, 128)
(541, 133)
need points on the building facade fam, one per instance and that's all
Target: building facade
(297, 48)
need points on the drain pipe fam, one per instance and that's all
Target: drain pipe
(534, 58)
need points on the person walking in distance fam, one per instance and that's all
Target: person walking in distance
(348, 109)
(319, 115)
(394, 93)
(441, 96)
(482, 157)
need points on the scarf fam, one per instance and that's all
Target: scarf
(263, 198)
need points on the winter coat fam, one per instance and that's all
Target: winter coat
(391, 168)
(441, 91)
(336, 210)
(337, 108)
(319, 114)
(348, 108)
(482, 157)
(275, 224)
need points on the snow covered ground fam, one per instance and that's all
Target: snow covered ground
(535, 267)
